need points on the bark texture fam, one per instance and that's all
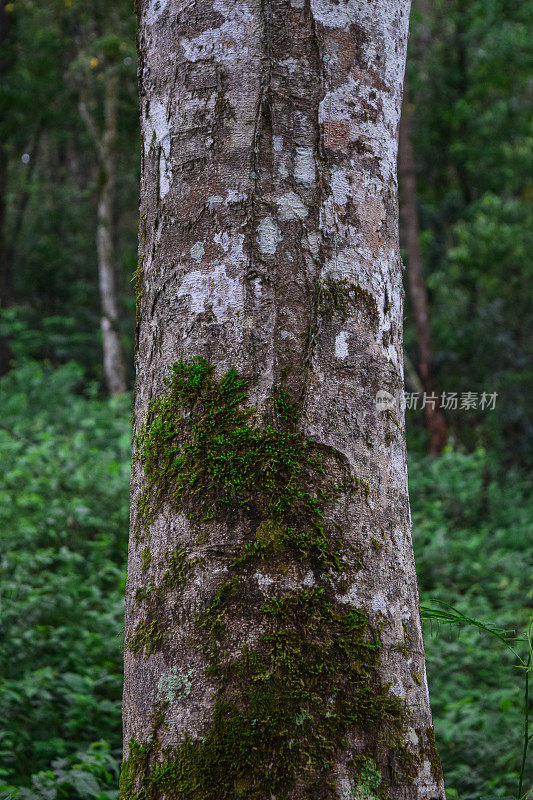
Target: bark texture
(273, 638)
(105, 142)
(435, 423)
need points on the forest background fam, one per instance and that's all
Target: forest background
(69, 164)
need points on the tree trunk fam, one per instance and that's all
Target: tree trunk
(435, 423)
(273, 637)
(114, 366)
(105, 143)
(6, 272)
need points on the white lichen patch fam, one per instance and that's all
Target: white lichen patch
(156, 130)
(341, 345)
(223, 240)
(264, 581)
(314, 239)
(309, 579)
(291, 207)
(304, 166)
(233, 196)
(154, 9)
(340, 187)
(379, 603)
(344, 110)
(226, 43)
(268, 236)
(215, 290)
(277, 143)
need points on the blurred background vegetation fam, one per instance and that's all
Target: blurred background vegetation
(67, 92)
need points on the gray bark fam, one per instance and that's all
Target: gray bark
(269, 243)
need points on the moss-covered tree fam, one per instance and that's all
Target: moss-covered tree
(273, 641)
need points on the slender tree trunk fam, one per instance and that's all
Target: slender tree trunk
(435, 423)
(114, 364)
(6, 273)
(273, 637)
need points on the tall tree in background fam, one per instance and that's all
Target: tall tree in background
(106, 55)
(105, 144)
(435, 423)
(273, 640)
(6, 275)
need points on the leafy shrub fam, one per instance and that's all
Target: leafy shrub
(63, 516)
(472, 534)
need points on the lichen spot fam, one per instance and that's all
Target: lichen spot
(197, 251)
(304, 166)
(154, 10)
(291, 207)
(278, 144)
(268, 236)
(341, 345)
(223, 240)
(174, 686)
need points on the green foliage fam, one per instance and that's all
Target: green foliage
(49, 173)
(469, 72)
(472, 525)
(63, 515)
(91, 774)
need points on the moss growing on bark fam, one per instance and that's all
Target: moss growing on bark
(342, 297)
(283, 709)
(150, 634)
(204, 452)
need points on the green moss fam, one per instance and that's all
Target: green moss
(433, 754)
(369, 782)
(138, 281)
(149, 635)
(147, 638)
(270, 535)
(282, 710)
(204, 453)
(146, 559)
(341, 297)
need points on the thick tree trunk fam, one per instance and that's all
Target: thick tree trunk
(273, 638)
(105, 143)
(435, 423)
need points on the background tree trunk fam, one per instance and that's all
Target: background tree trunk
(435, 423)
(273, 637)
(6, 273)
(113, 356)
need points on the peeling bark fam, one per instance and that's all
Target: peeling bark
(269, 249)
